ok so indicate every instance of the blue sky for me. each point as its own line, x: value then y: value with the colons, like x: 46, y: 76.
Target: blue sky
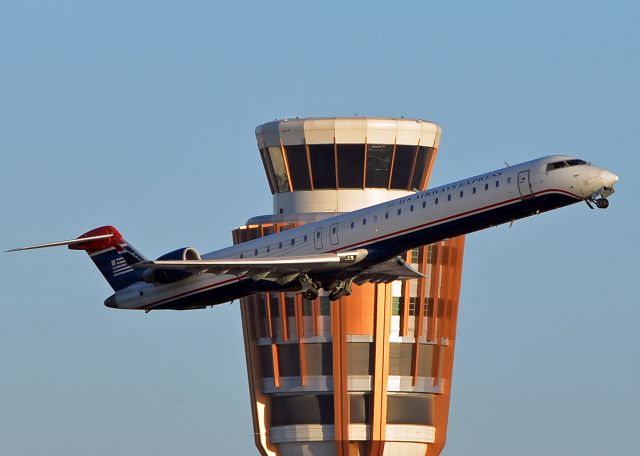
x: 141, y: 114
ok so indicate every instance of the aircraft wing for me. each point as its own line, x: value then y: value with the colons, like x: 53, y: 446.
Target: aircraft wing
x: 273, y: 268
x: 388, y: 271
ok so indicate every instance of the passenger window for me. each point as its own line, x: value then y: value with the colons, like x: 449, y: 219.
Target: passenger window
x: 497, y: 184
x: 280, y: 245
x: 411, y: 208
x: 375, y: 218
x: 255, y: 252
x: 386, y: 215
x: 352, y: 225
x: 436, y: 201
x: 424, y: 204
x: 364, y: 221
x: 474, y: 190
x: 399, y: 211
x: 461, y: 193
x: 449, y: 197
x: 486, y: 186
x: 293, y: 241
x: 242, y: 255
x: 305, y: 238
x: 508, y: 180
x: 268, y: 249
x: 333, y: 230
x: 318, y: 234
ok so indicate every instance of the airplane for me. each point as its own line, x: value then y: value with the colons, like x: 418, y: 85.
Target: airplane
x: 331, y: 254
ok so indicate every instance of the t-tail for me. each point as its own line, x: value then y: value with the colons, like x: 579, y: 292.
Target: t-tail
x: 109, y: 252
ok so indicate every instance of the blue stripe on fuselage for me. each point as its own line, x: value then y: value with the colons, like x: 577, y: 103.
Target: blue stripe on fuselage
x: 384, y: 249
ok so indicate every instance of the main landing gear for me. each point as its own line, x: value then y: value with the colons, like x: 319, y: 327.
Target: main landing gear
x: 337, y: 289
x: 343, y: 288
x: 309, y: 287
x: 310, y: 294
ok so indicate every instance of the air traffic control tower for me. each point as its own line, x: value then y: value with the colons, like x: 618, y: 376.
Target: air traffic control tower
x: 370, y: 373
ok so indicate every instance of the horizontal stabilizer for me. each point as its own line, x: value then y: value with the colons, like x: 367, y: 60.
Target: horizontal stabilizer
x: 77, y: 242
x: 111, y: 254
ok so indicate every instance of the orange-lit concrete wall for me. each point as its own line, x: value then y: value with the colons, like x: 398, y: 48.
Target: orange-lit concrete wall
x: 426, y: 324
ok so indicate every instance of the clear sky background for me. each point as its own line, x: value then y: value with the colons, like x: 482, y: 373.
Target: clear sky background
x: 141, y: 114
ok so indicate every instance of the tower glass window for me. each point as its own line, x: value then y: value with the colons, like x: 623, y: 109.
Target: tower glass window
x: 323, y: 165
x: 279, y: 169
x: 298, y: 167
x: 402, y: 164
x: 350, y: 165
x: 271, y: 177
x: 378, y: 165
x: 419, y: 168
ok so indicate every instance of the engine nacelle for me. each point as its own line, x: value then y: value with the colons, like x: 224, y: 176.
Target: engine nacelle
x: 172, y: 275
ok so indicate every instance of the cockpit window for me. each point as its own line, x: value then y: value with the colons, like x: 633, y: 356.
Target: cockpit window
x: 556, y: 165
x: 565, y: 164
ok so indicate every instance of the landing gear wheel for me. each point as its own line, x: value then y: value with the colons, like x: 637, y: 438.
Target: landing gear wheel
x: 602, y: 203
x: 311, y: 294
x: 335, y: 295
x: 343, y: 290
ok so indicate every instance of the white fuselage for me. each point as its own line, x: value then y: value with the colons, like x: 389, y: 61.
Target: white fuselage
x: 420, y: 218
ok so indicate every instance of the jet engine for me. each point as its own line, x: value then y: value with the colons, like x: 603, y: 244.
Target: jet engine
x: 172, y: 275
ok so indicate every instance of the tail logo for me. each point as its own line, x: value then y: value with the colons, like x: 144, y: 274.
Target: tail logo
x: 119, y: 266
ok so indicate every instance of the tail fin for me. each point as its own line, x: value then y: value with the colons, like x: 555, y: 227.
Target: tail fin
x: 113, y: 256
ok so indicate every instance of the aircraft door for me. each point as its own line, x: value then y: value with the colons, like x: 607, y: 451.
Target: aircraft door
x: 334, y: 234
x: 317, y: 238
x: 524, y: 184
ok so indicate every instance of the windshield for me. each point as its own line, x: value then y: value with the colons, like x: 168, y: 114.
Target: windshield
x: 565, y: 164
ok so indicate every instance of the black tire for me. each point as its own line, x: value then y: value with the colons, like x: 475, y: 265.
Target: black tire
x: 311, y: 294
x: 335, y: 295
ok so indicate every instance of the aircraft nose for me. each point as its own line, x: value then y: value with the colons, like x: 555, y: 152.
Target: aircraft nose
x: 608, y: 178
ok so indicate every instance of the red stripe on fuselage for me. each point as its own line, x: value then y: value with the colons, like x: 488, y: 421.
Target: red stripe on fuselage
x: 461, y: 214
x: 369, y: 241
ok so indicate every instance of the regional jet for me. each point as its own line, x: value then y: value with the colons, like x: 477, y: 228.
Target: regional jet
x: 331, y: 254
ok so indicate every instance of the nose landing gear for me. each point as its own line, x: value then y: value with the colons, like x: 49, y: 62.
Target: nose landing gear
x: 599, y: 197
x: 601, y: 203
